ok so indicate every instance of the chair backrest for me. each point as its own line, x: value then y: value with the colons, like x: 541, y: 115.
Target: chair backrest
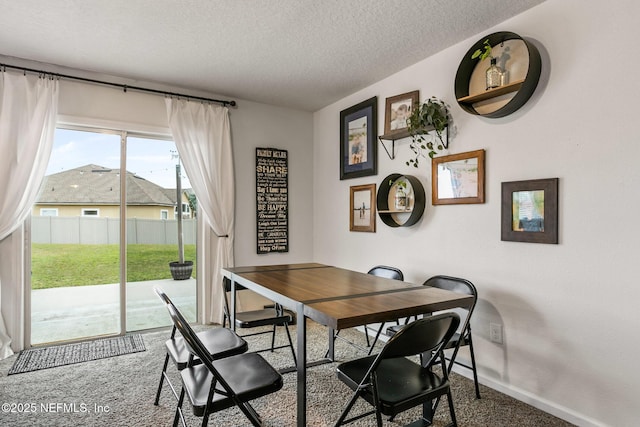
x: 226, y: 285
x: 162, y: 295
x: 386, y: 271
x: 193, y: 343
x: 226, y: 288
x: 167, y: 301
x: 454, y: 284
x: 458, y: 285
x: 429, y: 334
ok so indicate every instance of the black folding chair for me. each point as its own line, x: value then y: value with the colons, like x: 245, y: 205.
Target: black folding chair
x: 463, y: 337
x: 392, y: 383
x: 390, y: 273
x: 273, y: 316
x: 379, y: 271
x: 218, y: 342
x: 215, y: 385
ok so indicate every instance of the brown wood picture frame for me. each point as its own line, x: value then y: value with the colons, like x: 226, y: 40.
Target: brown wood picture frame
x: 458, y: 178
x: 397, y: 110
x: 362, y: 208
x: 530, y: 211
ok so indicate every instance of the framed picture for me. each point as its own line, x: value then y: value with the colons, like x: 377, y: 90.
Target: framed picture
x: 362, y: 208
x: 398, y: 110
x: 358, y: 137
x: 530, y: 211
x: 458, y: 178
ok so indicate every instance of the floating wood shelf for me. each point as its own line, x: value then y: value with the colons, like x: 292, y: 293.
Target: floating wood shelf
x: 394, y: 217
x: 523, y: 59
x: 492, y: 93
x: 393, y: 137
x: 396, y: 212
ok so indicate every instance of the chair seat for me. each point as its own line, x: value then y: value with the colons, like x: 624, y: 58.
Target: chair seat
x: 392, y: 330
x: 403, y: 384
x: 220, y: 342
x: 264, y: 317
x: 249, y: 375
x: 453, y: 342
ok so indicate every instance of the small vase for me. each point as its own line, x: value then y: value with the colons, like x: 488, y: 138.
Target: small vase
x: 494, y: 75
x: 401, y: 199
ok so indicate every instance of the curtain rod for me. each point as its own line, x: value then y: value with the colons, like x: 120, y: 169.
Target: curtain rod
x: 119, y: 85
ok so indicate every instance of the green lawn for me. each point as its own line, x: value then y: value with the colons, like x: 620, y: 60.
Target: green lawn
x: 55, y: 266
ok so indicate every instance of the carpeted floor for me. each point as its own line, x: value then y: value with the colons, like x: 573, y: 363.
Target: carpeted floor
x: 119, y: 391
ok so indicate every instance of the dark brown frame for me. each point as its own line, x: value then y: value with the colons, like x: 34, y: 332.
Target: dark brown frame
x: 414, y: 100
x: 371, y: 227
x: 436, y: 161
x: 549, y: 234
x: 368, y: 109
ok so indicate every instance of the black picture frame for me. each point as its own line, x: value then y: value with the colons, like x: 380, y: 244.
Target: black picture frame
x: 358, y: 135
x: 272, y: 200
x: 522, y: 203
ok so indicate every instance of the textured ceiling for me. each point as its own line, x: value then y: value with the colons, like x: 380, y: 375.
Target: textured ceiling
x: 303, y: 54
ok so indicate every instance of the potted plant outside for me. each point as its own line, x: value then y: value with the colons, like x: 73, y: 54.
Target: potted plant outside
x: 431, y: 116
x: 181, y: 269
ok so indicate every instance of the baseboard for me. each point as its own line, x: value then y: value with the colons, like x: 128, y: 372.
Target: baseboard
x: 532, y: 399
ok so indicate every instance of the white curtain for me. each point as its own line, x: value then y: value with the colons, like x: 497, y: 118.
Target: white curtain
x: 203, y: 137
x: 28, y: 112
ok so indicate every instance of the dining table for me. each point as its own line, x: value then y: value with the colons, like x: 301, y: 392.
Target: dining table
x: 337, y: 298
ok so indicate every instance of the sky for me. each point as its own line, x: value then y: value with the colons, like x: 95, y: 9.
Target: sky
x: 152, y: 159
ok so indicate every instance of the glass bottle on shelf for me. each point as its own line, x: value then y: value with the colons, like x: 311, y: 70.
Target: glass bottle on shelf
x: 494, y: 75
x: 400, y: 199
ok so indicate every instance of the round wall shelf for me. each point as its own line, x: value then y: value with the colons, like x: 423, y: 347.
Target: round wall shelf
x: 523, y: 65
x: 413, y: 208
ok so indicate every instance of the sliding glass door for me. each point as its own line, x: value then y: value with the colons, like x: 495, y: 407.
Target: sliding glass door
x: 75, y: 252
x: 152, y: 233
x: 103, y: 232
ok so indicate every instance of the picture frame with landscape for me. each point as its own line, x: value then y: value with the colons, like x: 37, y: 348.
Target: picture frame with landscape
x: 358, y: 140
x: 362, y: 208
x: 458, y: 178
x: 530, y: 211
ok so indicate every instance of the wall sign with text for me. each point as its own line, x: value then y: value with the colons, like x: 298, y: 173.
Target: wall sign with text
x: 272, y: 196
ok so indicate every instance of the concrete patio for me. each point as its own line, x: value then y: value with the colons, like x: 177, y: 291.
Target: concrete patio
x: 69, y: 313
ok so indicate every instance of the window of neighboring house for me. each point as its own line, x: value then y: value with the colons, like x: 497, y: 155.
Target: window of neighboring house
x: 48, y: 212
x: 164, y: 214
x: 186, y: 211
x: 90, y: 212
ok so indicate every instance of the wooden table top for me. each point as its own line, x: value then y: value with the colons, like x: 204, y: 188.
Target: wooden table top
x: 254, y: 268
x: 356, y: 311
x: 341, y: 298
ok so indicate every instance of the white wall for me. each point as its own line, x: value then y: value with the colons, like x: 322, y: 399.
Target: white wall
x: 569, y: 310
x: 256, y: 125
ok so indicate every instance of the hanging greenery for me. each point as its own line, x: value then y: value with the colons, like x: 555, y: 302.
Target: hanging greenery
x: 426, y: 126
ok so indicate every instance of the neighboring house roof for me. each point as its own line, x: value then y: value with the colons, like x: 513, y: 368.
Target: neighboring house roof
x: 97, y: 185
